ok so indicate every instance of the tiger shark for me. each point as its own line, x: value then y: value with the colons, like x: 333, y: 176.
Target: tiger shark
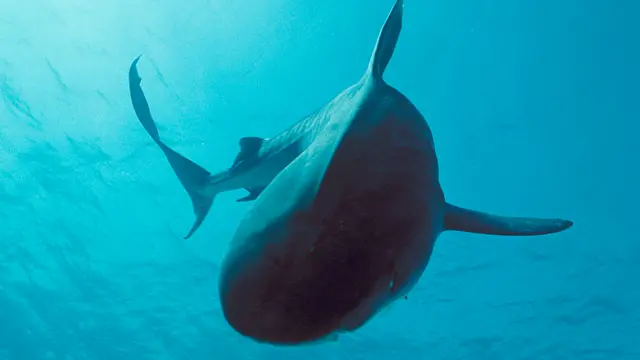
x: 347, y: 209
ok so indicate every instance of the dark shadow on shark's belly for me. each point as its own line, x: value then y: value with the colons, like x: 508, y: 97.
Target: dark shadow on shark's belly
x: 290, y: 294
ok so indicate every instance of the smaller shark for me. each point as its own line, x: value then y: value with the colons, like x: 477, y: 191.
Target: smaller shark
x: 256, y: 164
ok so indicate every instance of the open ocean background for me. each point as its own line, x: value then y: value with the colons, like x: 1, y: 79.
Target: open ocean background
x: 534, y: 106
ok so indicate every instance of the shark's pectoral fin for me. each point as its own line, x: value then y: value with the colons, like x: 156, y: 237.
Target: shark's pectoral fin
x: 253, y: 194
x: 459, y: 219
x: 191, y: 175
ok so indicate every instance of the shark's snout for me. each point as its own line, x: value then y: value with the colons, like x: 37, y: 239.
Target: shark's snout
x: 280, y: 300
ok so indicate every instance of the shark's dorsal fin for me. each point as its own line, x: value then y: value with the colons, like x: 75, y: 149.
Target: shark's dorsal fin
x: 386, y: 43
x: 249, y: 146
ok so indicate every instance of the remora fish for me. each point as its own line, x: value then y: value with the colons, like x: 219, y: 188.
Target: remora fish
x: 349, y: 225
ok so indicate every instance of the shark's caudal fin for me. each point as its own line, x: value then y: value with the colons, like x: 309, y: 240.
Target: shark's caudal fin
x: 191, y: 175
x: 386, y: 43
x: 459, y: 219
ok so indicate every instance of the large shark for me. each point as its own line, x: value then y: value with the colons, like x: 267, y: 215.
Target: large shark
x: 347, y: 213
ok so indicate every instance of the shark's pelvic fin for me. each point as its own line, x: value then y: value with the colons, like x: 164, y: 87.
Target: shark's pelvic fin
x: 387, y: 40
x: 459, y: 219
x: 253, y: 194
x: 191, y: 175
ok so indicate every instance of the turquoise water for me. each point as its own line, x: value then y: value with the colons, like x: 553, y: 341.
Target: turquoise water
x: 534, y: 110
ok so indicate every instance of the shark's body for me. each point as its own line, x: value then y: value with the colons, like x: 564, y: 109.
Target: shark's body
x: 348, y: 225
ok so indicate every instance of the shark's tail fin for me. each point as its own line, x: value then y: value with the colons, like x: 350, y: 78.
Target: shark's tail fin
x: 387, y: 40
x: 192, y: 176
x: 459, y: 219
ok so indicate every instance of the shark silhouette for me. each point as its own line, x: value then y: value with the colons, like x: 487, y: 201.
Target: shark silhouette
x: 348, y: 206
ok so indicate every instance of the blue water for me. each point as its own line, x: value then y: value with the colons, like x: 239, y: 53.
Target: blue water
x: 534, y: 106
